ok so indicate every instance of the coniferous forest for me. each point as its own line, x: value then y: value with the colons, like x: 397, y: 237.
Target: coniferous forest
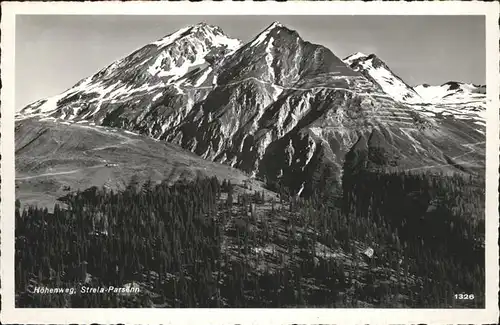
x: 380, y: 240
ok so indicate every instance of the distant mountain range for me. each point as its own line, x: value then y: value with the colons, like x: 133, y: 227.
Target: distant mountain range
x: 457, y: 99
x: 278, y: 107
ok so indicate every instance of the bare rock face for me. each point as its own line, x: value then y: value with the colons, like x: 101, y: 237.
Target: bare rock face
x: 278, y: 107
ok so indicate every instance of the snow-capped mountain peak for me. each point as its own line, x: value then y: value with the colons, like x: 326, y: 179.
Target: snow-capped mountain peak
x: 188, y: 47
x: 355, y: 56
x: 163, y: 62
x: 376, y: 70
x: 202, y: 31
x: 275, y: 24
x: 273, y: 106
x: 272, y: 32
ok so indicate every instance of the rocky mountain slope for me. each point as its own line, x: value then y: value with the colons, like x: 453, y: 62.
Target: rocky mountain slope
x: 278, y: 107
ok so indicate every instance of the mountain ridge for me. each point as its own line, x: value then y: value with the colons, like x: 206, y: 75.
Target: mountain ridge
x: 416, y: 95
x: 277, y: 107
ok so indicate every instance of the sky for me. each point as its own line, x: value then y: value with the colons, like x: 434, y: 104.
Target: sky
x: 53, y: 52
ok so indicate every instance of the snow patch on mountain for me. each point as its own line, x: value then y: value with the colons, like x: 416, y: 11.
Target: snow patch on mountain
x: 203, y: 77
x: 263, y: 35
x: 270, y: 59
x: 156, y: 97
x: 371, y: 66
x: 263, y: 143
x: 282, y: 114
x: 311, y: 148
x: 351, y: 58
x: 212, y: 33
x: 176, y: 55
x: 452, y: 92
x: 232, y: 44
x: 155, y: 68
x: 169, y: 39
x: 276, y: 89
x: 392, y: 86
x: 461, y: 101
x: 47, y: 106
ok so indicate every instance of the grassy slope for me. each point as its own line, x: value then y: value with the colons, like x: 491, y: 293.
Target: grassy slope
x: 50, y: 156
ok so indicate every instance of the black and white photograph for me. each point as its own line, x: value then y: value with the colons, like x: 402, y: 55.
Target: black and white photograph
x: 251, y: 161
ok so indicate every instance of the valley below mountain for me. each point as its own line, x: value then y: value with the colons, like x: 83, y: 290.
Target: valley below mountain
x: 53, y: 158
x: 210, y: 172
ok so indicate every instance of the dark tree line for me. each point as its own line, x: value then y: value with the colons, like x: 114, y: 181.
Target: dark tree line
x: 192, y: 244
x: 142, y: 234
x: 434, y: 220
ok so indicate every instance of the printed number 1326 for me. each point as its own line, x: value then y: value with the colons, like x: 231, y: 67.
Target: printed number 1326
x: 464, y: 296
